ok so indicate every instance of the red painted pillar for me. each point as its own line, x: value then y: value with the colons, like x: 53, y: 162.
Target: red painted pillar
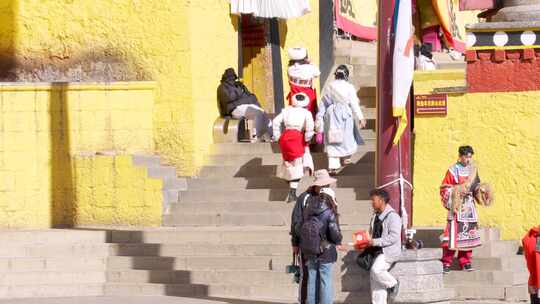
x: 390, y: 159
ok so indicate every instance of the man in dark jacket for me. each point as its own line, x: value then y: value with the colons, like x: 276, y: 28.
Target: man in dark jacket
x: 237, y: 101
x: 319, y: 203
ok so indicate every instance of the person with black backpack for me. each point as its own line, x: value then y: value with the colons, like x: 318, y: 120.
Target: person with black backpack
x: 384, y: 248
x: 315, y: 235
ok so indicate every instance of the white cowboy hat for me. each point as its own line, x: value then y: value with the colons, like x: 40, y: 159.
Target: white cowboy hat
x: 322, y: 178
x: 297, y: 53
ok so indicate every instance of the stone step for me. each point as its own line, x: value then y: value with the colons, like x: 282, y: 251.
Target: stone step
x: 356, y: 283
x: 430, y: 235
x: 497, y: 249
x: 55, y: 250
x: 261, y: 171
x: 272, y: 182
x: 239, y: 219
x: 47, y: 277
x: 198, y: 290
x: 270, y: 148
x: 146, y: 160
x: 214, y: 235
x: 52, y: 236
x: 345, y: 207
x: 12, y: 264
x: 320, y: 159
x: 491, y: 292
x: 258, y: 195
x: 486, y: 278
x: 508, y: 263
x: 51, y: 290
x: 274, y: 263
x: 206, y: 249
x: 367, y: 92
x: 163, y: 172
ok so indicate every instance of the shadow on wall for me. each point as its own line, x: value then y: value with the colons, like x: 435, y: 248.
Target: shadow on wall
x: 62, y: 183
x: 8, y: 30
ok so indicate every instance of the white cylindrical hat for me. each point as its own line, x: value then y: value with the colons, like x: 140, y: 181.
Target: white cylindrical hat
x: 297, y: 53
x: 300, y: 100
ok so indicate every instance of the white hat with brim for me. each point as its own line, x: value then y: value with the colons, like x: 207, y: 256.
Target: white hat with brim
x: 297, y: 53
x: 322, y: 178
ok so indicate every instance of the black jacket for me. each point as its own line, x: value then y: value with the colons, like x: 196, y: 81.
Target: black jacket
x: 317, y: 206
x: 232, y: 93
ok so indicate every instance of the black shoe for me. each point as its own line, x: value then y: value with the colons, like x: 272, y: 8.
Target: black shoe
x: 446, y: 269
x: 393, y: 291
x: 468, y: 267
x: 291, y: 197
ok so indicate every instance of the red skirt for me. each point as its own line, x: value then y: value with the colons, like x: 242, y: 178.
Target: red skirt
x: 310, y: 92
x: 292, y: 144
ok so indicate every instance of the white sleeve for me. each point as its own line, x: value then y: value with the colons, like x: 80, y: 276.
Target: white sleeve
x: 309, y: 126
x: 355, y: 104
x: 276, y: 125
x: 315, y: 70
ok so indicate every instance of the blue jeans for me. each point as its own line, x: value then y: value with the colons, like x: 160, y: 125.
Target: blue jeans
x: 326, y: 291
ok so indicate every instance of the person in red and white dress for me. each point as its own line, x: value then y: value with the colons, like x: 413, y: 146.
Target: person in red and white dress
x: 301, y: 75
x: 298, y: 129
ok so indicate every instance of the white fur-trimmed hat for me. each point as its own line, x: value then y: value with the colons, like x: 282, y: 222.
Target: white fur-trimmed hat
x: 300, y: 100
x: 297, y: 53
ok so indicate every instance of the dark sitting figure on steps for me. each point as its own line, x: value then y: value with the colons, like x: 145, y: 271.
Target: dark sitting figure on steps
x: 236, y: 101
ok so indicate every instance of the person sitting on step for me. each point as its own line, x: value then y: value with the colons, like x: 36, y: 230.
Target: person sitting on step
x: 298, y: 127
x: 237, y: 101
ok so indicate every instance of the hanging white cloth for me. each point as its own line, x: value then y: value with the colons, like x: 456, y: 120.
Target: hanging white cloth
x: 284, y: 9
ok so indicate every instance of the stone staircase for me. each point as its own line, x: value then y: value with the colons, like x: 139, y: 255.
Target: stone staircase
x: 228, y: 235
x: 53, y: 263
x: 500, y: 273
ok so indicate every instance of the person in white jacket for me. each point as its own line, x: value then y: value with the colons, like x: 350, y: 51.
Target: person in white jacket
x: 338, y: 111
x: 298, y: 129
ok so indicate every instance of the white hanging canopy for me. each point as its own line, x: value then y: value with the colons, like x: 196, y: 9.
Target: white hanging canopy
x: 284, y: 9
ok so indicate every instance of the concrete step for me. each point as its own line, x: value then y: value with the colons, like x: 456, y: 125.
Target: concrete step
x: 274, y: 263
x: 240, y: 219
x: 258, y: 195
x: 354, y: 283
x: 47, y: 277
x: 497, y: 249
x: 145, y: 160
x: 214, y: 235
x: 272, y: 182
x: 250, y: 171
x: 270, y: 148
x: 55, y: 250
x: 487, y: 292
x: 345, y: 207
x: 508, y: 263
x: 198, y: 290
x: 320, y: 159
x: 8, y: 265
x: 486, y: 278
x: 178, y: 250
x: 52, y: 236
x: 430, y: 235
x: 163, y: 172
x: 51, y: 290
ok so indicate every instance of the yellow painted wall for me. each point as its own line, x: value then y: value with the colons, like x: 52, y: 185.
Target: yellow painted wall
x: 502, y: 128
x: 44, y: 125
x: 182, y: 45
x: 110, y: 190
